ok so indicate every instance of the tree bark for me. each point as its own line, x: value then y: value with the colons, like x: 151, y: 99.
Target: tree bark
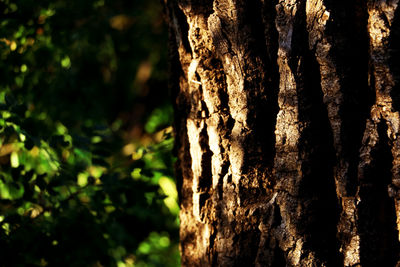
x: 287, y: 126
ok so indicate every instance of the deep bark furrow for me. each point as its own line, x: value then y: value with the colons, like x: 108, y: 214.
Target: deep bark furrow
x: 320, y: 41
x: 313, y: 183
x: 270, y: 106
x: 346, y: 31
x: 317, y: 153
x: 381, y: 140
x: 338, y: 46
x: 376, y: 211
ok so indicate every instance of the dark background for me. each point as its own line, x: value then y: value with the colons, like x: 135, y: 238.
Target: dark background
x: 85, y: 136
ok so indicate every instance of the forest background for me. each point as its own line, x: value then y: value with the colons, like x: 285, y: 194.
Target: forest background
x: 85, y: 138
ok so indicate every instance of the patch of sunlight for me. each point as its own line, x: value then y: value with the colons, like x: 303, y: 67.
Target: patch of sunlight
x: 159, y: 136
x: 96, y: 171
x: 83, y: 179
x: 61, y: 129
x: 6, y: 114
x: 66, y: 62
x: 24, y: 68
x: 96, y: 139
x: 130, y: 260
x: 144, y: 248
x: 22, y: 137
x: 164, y: 241
x: 14, y: 159
x: 128, y: 149
x: 172, y: 205
x: 35, y: 211
x: 6, y: 228
x: 136, y: 155
x: 13, y: 46
x: 34, y: 151
x: 169, y: 189
x: 136, y: 173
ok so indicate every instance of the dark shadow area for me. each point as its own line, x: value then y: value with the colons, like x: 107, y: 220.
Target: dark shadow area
x: 183, y: 29
x: 84, y: 113
x: 262, y: 76
x: 259, y: 41
x: 348, y: 29
x: 379, y: 245
x: 247, y: 240
x: 320, y: 214
x: 205, y: 180
x: 180, y: 103
x: 279, y: 258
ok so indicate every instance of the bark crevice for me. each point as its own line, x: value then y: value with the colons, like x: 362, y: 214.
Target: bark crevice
x: 379, y: 244
x: 350, y: 48
x: 205, y: 180
x: 181, y: 28
x: 317, y: 190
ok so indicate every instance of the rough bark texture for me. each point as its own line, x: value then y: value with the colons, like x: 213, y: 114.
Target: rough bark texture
x: 287, y: 126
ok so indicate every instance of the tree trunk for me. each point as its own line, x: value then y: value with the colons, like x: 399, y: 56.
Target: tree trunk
x: 287, y: 126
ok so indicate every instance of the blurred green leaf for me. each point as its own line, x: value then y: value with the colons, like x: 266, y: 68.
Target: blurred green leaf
x: 78, y: 81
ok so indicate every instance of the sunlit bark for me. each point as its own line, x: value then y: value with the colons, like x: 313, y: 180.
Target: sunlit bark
x: 287, y: 125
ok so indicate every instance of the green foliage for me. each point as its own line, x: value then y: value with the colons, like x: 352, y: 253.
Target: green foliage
x: 159, y: 117
x: 81, y: 182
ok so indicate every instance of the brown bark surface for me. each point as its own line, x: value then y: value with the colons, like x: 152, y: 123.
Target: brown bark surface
x: 287, y: 126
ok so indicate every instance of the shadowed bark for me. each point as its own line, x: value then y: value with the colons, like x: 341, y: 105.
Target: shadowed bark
x: 287, y: 128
